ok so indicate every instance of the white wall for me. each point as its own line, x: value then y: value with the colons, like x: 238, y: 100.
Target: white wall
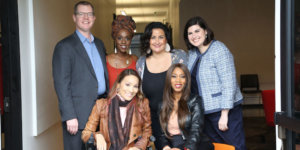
x: 279, y: 142
x: 42, y: 24
x: 52, y: 136
x: 246, y: 27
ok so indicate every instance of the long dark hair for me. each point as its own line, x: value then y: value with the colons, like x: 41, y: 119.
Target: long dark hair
x: 201, y: 22
x: 120, y: 78
x: 168, y: 99
x: 145, y: 38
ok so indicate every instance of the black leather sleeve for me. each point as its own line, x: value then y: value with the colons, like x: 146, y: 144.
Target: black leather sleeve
x: 197, y: 122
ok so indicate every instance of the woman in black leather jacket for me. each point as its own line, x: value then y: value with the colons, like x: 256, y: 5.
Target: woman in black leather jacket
x: 181, y: 115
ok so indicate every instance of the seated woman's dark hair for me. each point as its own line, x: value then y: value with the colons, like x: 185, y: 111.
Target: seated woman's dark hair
x: 201, y: 22
x: 168, y: 99
x: 145, y: 38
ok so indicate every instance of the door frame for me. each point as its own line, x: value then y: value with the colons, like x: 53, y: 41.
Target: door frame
x: 286, y: 124
x: 12, y: 118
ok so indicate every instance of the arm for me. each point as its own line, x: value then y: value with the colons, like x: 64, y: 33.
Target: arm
x: 197, y: 123
x: 93, y: 121
x: 134, y: 57
x: 227, y: 74
x: 223, y: 120
x: 146, y: 128
x: 62, y: 66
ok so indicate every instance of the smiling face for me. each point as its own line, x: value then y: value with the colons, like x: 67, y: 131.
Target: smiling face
x: 123, y: 40
x: 158, y: 40
x: 178, y: 80
x: 128, y: 87
x: 84, y: 18
x: 196, y: 35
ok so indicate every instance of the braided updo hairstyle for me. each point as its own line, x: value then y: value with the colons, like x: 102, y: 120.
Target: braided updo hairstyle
x: 123, y: 22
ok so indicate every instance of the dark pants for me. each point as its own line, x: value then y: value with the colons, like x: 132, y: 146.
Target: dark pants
x: 177, y: 141
x: 72, y: 142
x: 234, y: 135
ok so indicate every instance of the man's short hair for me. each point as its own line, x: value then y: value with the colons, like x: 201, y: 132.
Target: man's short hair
x: 82, y: 3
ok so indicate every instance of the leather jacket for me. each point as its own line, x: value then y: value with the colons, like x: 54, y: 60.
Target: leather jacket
x: 193, y: 131
x: 140, y: 130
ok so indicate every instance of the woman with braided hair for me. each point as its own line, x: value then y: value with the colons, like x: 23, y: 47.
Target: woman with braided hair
x: 122, y: 33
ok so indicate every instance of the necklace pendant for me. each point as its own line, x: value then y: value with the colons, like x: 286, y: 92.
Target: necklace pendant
x: 127, y: 61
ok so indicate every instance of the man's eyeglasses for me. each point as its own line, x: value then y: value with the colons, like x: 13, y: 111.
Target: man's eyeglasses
x: 82, y: 14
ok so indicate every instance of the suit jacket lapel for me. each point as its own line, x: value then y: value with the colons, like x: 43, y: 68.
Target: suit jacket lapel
x: 101, y: 52
x: 82, y: 53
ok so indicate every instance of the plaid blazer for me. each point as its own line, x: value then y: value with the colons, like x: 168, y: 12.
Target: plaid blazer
x: 216, y: 78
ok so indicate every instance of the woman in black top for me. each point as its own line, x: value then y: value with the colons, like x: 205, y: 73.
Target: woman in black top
x: 153, y: 65
x: 181, y: 115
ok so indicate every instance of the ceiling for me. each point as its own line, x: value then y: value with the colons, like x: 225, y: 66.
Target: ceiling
x: 144, y: 11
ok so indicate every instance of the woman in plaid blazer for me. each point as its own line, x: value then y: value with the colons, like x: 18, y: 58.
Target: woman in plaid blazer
x: 214, y: 78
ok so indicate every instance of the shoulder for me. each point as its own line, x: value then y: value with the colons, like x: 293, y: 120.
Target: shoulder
x: 219, y: 52
x: 134, y: 58
x: 194, y: 100
x: 141, y: 60
x: 143, y: 104
x: 101, y: 103
x: 97, y: 40
x: 193, y: 50
x: 179, y: 56
x: 67, y: 40
x: 110, y: 57
x: 218, y: 43
x: 192, y: 54
x: 139, y: 65
x: 218, y: 46
x: 65, y: 46
x: 179, y: 52
x: 100, y: 45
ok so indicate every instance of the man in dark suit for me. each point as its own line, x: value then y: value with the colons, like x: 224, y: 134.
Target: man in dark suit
x: 80, y: 75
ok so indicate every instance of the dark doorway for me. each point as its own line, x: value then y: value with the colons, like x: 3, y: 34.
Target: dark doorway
x: 289, y: 119
x: 12, y: 113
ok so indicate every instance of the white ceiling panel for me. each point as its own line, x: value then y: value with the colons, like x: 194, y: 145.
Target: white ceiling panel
x: 144, y: 10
